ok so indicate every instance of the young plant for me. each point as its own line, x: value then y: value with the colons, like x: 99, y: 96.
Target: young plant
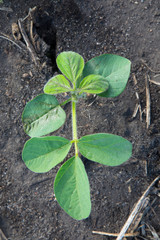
x: 106, y: 76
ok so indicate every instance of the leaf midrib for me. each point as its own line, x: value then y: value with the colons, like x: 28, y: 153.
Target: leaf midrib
x: 60, y: 85
x: 76, y: 189
x: 92, y: 145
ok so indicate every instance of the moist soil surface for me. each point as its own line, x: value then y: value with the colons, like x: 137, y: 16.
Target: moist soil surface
x: 28, y: 208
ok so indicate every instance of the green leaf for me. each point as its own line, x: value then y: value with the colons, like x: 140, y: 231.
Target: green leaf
x: 44, y: 153
x: 114, y: 68
x: 57, y: 84
x: 94, y: 84
x: 42, y: 115
x: 107, y: 149
x: 72, y: 190
x: 71, y: 64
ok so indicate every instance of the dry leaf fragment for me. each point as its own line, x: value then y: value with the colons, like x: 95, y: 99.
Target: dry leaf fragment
x: 15, y: 31
x: 156, y: 80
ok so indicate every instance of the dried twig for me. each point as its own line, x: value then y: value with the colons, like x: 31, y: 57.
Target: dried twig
x: 6, y: 38
x: 27, y: 41
x: 150, y: 207
x: 31, y: 32
x: 20, y: 43
x: 136, y: 221
x: 2, y: 236
x: 138, y: 105
x: 32, y: 37
x: 135, y: 210
x: 135, y: 110
x: 154, y: 71
x: 29, y: 13
x: 92, y: 102
x: 116, y: 234
x: 155, y: 80
x: 153, y: 232
x: 148, y: 103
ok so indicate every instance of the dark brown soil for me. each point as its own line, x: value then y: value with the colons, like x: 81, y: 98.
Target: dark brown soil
x: 28, y: 209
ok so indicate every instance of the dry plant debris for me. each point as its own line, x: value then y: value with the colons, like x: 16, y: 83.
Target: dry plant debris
x: 148, y: 102
x: 133, y: 222
x: 4, y: 36
x: 149, y: 68
x: 33, y: 43
x: 138, y: 104
x: 156, y: 79
x: 2, y: 236
x: 28, y: 43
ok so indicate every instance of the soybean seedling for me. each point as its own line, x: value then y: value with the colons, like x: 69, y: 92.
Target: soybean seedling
x: 106, y: 76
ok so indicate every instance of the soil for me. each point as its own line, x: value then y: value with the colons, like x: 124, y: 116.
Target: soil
x: 28, y: 208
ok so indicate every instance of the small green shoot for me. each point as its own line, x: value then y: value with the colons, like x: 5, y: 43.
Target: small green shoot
x: 106, y: 76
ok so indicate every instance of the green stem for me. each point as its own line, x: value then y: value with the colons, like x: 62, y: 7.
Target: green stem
x: 74, y: 125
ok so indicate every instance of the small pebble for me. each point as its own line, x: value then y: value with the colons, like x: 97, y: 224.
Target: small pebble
x: 25, y: 75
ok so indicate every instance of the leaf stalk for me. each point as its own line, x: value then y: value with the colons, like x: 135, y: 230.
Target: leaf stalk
x: 66, y: 101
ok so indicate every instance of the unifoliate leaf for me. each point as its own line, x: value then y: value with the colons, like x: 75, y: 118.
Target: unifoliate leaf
x: 72, y: 190
x: 44, y: 153
x: 114, y: 68
x: 94, y: 84
x: 107, y: 149
x: 42, y: 115
x: 57, y: 84
x: 71, y: 64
